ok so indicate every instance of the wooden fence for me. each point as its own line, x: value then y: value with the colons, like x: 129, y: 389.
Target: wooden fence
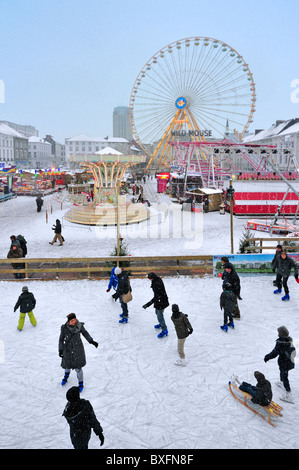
x: 258, y: 244
x: 100, y: 268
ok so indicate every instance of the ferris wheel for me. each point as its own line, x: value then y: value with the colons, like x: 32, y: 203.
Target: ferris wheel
x: 196, y: 88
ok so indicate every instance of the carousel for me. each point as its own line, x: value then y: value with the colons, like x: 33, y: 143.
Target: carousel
x: 105, y: 204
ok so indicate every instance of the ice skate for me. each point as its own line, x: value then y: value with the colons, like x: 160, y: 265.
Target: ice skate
x: 180, y: 362
x: 235, y: 380
x: 287, y: 396
x: 157, y: 326
x: 65, y: 378
x: 163, y: 333
x: 231, y: 325
x: 279, y: 384
x: 285, y: 297
x: 277, y: 291
x: 124, y: 320
x: 224, y: 328
x: 81, y: 386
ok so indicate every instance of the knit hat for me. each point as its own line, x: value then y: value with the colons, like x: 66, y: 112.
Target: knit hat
x: 283, y: 332
x: 70, y: 316
x: 259, y: 376
x: 73, y: 394
x: 175, y: 308
x: 117, y: 271
x: 25, y: 289
x: 151, y: 275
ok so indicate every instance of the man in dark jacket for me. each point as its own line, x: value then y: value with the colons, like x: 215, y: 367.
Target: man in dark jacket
x: 123, y: 287
x: 39, y: 203
x: 57, y: 230
x: 284, y: 264
x: 14, y: 253
x: 261, y: 393
x: 71, y: 348
x: 23, y: 244
x: 286, y: 352
x: 160, y: 301
x: 81, y: 418
x: 233, y: 279
x: 26, y: 302
x: 227, y: 303
x: 277, y: 253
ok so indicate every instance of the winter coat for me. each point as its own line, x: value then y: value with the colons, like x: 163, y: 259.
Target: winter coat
x: 71, y: 346
x: 182, y: 325
x: 39, y: 201
x: 160, y: 299
x: 123, y: 286
x: 234, y: 280
x: 17, y: 253
x: 227, y: 301
x: 263, y: 391
x: 225, y: 273
x: 286, y: 352
x: 57, y: 227
x: 284, y: 266
x: 113, y: 280
x: 23, y: 244
x: 26, y: 302
x: 81, y: 419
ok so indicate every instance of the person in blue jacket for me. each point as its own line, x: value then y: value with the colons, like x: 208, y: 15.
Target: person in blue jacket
x: 113, y: 281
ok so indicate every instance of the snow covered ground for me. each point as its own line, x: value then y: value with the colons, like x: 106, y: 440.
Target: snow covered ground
x: 142, y: 399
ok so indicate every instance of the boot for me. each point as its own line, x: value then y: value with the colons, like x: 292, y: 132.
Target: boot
x: 231, y: 325
x: 80, y: 385
x: 224, y: 328
x: 163, y: 333
x: 180, y: 362
x: 285, y: 297
x: 124, y: 320
x: 64, y: 380
x: 277, y: 291
x: 157, y: 326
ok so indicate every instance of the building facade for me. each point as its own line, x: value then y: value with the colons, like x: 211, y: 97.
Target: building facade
x: 13, y: 147
x: 58, y: 152
x: 121, y: 123
x: 84, y: 145
x: 40, y: 153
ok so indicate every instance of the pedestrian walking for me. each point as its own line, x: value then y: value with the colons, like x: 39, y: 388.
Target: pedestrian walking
x: 39, y: 203
x: 261, y: 393
x: 285, y: 351
x: 122, y: 289
x: 183, y: 329
x: 71, y: 348
x: 160, y: 301
x: 26, y: 302
x: 23, y: 244
x: 233, y: 279
x: 81, y: 418
x: 57, y: 229
x: 227, y: 303
x: 284, y: 265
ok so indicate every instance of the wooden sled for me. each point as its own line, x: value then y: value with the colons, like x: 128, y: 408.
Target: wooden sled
x: 272, y: 410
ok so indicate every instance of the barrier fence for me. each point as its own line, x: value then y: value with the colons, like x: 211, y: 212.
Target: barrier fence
x: 258, y: 244
x: 100, y: 268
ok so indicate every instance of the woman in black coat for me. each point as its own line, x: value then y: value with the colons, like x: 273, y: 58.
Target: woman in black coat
x: 160, y: 301
x: 71, y: 348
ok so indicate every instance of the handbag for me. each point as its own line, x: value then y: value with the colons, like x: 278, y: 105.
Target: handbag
x: 127, y: 297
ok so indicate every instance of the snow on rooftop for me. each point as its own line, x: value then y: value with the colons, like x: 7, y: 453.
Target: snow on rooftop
x: 7, y: 130
x: 108, y: 151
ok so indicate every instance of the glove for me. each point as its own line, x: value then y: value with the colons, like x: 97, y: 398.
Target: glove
x: 60, y: 353
x: 296, y: 276
x: 102, y: 439
x: 144, y: 306
x: 94, y: 343
x: 115, y: 296
x: 108, y: 290
x: 190, y: 332
x: 14, y: 309
x: 266, y: 359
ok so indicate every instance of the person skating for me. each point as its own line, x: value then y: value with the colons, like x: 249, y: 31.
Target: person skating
x: 71, y: 348
x: 113, y: 281
x: 233, y: 279
x: 57, y: 229
x: 183, y: 329
x: 160, y: 301
x: 261, y: 393
x: 26, y: 302
x: 284, y: 265
x: 123, y: 287
x: 286, y: 352
x: 227, y: 303
x: 81, y: 418
x: 277, y: 253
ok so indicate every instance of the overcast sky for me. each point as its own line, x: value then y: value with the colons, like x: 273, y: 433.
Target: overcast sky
x: 65, y: 64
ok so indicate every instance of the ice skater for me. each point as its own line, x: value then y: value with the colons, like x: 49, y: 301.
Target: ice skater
x: 284, y: 264
x: 227, y: 303
x: 81, y: 418
x: 160, y: 301
x: 113, y: 281
x: 183, y: 329
x: 26, y: 302
x: 286, y: 352
x: 123, y: 287
x: 233, y: 279
x: 71, y: 348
